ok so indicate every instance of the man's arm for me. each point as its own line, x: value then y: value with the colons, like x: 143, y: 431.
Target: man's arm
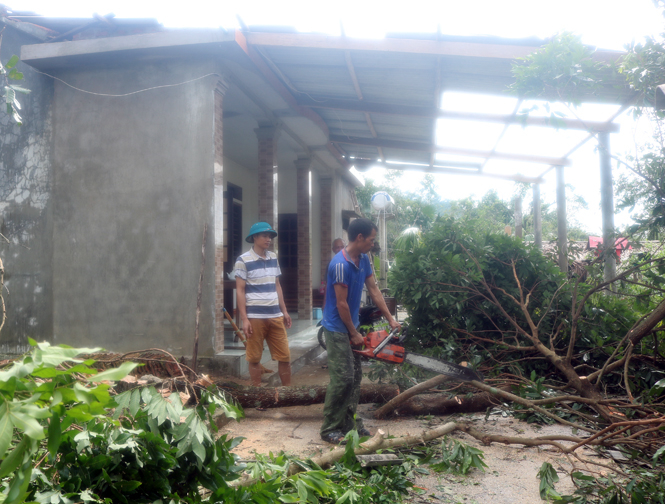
x: 379, y: 302
x: 242, y: 306
x: 341, y: 293
x: 282, y: 305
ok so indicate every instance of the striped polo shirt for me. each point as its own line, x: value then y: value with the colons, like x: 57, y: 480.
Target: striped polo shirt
x: 260, y: 275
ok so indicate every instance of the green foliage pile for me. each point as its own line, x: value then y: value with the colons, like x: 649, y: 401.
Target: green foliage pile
x: 65, y: 439
x: 641, y: 487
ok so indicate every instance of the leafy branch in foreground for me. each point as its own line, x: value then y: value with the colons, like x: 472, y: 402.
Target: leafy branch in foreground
x: 9, y: 72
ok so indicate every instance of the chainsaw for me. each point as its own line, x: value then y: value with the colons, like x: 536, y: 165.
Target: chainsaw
x: 378, y: 345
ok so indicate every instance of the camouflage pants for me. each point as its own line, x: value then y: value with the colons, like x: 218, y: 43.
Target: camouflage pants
x: 343, y: 392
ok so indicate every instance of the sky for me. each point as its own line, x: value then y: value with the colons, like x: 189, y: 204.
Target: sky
x: 607, y: 24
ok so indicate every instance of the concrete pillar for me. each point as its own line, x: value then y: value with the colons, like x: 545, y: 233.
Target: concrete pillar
x: 607, y: 206
x: 325, y: 199
x: 518, y: 216
x: 267, y: 134
x: 304, y: 238
x: 218, y: 227
x: 562, y: 231
x: 537, y: 218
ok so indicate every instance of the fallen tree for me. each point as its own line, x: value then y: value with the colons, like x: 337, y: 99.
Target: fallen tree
x: 556, y: 349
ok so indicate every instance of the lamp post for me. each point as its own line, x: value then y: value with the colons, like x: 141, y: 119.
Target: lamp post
x: 381, y: 203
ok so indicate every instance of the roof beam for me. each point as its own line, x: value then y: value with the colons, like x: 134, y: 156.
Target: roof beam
x: 442, y: 48
x: 423, y: 147
x: 436, y: 113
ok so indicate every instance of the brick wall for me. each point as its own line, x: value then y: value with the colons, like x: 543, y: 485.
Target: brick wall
x: 304, y: 240
x: 267, y: 173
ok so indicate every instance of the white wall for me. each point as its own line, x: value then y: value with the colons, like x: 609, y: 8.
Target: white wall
x: 287, y: 191
x: 316, y: 230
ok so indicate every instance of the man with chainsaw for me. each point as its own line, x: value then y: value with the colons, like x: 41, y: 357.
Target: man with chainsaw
x: 261, y: 304
x: 348, y: 272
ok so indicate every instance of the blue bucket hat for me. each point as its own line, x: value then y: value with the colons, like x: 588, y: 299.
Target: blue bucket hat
x: 260, y: 227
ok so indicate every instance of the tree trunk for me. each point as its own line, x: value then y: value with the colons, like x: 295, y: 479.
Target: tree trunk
x: 278, y: 397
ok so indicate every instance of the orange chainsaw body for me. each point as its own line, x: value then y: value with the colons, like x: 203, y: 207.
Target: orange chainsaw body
x: 389, y: 353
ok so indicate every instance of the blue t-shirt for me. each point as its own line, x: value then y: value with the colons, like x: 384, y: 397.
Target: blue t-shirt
x: 343, y: 270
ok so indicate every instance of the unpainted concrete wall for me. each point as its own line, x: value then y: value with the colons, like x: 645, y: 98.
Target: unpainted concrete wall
x: 25, y: 205
x: 132, y: 191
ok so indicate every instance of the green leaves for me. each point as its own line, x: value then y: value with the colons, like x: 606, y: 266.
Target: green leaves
x: 564, y: 69
x: 459, y: 458
x: 9, y: 72
x: 548, y: 477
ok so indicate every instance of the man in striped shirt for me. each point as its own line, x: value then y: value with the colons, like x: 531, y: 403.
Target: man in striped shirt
x: 261, y: 304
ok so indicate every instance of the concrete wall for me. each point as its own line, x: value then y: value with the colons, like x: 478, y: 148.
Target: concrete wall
x: 25, y: 206
x: 341, y: 201
x: 132, y: 191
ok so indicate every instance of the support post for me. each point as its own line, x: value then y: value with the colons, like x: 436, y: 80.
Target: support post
x: 537, y: 218
x: 562, y: 229
x: 518, y: 216
x: 607, y: 206
x: 218, y: 209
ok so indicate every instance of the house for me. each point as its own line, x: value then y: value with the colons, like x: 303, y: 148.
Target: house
x: 137, y: 139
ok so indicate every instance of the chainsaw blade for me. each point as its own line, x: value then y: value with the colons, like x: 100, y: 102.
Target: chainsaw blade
x: 460, y: 373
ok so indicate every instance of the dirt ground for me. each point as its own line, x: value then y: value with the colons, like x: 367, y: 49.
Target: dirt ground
x: 509, y: 478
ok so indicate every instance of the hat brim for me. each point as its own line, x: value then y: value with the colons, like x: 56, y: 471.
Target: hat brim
x: 250, y: 238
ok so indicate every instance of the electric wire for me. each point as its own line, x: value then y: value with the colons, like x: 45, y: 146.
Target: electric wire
x: 131, y: 93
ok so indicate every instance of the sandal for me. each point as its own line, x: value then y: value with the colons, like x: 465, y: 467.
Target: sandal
x: 334, y: 437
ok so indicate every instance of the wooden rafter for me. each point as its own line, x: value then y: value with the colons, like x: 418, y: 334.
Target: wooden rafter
x: 458, y: 171
x: 359, y: 94
x: 423, y: 147
x: 283, y: 91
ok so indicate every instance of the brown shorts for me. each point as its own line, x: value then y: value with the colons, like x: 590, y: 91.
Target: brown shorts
x: 271, y: 330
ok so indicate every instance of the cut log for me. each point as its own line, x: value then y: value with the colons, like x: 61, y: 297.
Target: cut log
x: 278, y: 397
x: 441, y: 404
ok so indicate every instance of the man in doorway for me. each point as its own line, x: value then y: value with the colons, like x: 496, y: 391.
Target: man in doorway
x: 347, y: 273
x: 261, y: 304
x: 337, y: 245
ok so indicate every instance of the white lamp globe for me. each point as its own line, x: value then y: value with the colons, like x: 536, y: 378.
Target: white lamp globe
x: 381, y: 200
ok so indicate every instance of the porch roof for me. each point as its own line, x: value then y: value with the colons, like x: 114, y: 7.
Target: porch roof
x: 370, y: 101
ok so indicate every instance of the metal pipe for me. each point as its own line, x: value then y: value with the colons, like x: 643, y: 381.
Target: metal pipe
x: 537, y: 218
x: 607, y: 206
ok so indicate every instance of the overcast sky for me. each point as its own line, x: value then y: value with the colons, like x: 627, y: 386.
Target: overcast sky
x: 608, y: 24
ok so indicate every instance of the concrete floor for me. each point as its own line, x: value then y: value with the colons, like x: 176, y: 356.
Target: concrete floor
x: 303, y: 345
